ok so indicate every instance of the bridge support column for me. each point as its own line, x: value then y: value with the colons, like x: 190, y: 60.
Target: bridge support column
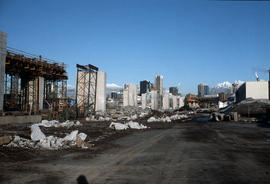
x: 3, y: 53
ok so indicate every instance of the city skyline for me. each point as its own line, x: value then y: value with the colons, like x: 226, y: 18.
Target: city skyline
x: 188, y: 42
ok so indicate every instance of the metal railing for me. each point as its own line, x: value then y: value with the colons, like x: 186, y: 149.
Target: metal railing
x: 33, y: 56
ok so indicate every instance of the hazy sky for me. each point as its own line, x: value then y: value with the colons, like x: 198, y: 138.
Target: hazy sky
x: 188, y: 42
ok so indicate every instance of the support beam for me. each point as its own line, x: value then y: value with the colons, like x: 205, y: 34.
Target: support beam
x: 132, y: 95
x: 175, y: 102
x: 125, y: 97
x: 166, y: 101
x: 41, y: 92
x: 3, y: 53
x: 144, y: 100
x: 155, y: 98
x: 101, y: 92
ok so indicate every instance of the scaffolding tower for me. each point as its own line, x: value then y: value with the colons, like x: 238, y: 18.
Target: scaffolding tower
x: 86, y: 84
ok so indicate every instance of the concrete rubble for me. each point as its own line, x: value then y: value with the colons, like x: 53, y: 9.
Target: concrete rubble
x: 55, y: 123
x: 168, y: 118
x: 247, y: 110
x: 121, y: 114
x: 5, y: 140
x: 124, y: 126
x: 40, y: 141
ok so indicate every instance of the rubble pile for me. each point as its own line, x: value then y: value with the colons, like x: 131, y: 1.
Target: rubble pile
x: 168, y: 119
x: 40, y: 140
x: 121, y: 114
x: 124, y: 126
x: 55, y: 123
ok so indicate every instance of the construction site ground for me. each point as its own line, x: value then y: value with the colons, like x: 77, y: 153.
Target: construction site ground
x: 179, y: 152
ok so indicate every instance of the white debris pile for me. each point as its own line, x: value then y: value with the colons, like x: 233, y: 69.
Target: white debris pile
x: 133, y: 117
x: 178, y: 116
x: 120, y: 114
x: 36, y: 133
x: 222, y: 104
x: 124, y: 126
x: 40, y: 140
x: 98, y: 118
x: 153, y: 119
x: 143, y: 114
x: 168, y: 118
x: 136, y: 125
x: 118, y: 126
x: 21, y: 142
x: 104, y: 119
x: 55, y: 123
x: 127, y: 113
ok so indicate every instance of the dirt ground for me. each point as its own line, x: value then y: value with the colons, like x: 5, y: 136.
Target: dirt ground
x: 181, y: 152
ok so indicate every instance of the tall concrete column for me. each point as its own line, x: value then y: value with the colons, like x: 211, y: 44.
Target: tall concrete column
x: 101, y: 92
x: 125, y: 97
x: 41, y: 92
x: 175, y: 102
x: 144, y: 100
x: 132, y: 95
x: 3, y: 53
x: 154, y: 99
x: 165, y: 101
x: 181, y: 101
x: 31, y: 95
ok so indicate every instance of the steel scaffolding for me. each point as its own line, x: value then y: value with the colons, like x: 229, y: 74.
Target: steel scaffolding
x: 86, y: 83
x: 31, y: 80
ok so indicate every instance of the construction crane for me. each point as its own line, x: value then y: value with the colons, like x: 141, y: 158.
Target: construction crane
x: 257, y: 77
x: 261, y: 71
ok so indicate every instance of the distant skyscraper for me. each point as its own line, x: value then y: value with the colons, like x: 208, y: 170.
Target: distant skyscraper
x: 115, y: 95
x: 203, y: 89
x: 145, y: 86
x: 159, y: 83
x: 173, y: 90
x: 126, y: 86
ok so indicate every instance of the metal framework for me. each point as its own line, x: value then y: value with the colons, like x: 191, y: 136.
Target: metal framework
x: 86, y: 83
x: 26, y: 76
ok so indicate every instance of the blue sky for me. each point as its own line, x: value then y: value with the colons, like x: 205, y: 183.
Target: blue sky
x: 188, y: 42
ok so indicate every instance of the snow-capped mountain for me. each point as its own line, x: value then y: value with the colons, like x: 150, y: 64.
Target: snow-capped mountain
x: 112, y: 87
x: 224, y: 86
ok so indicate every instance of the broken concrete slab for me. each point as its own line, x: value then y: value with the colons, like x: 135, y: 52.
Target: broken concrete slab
x: 5, y: 140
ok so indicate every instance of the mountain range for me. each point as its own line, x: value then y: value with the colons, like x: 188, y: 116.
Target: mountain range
x: 223, y: 87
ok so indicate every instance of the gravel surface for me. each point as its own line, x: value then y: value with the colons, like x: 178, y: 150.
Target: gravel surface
x: 190, y: 152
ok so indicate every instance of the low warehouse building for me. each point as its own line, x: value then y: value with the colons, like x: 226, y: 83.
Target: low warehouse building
x: 253, y: 89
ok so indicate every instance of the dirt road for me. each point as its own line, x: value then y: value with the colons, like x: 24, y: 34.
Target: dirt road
x: 186, y: 153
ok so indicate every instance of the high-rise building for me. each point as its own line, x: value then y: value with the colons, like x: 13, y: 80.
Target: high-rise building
x: 203, y: 89
x: 173, y: 90
x: 115, y: 95
x: 145, y: 86
x: 159, y: 83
